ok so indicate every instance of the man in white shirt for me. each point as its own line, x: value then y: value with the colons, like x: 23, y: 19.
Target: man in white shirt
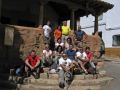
x: 47, y: 30
x: 65, y: 65
x: 81, y: 58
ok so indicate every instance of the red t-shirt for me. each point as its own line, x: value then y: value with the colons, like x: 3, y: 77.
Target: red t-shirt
x: 89, y: 55
x: 33, y: 61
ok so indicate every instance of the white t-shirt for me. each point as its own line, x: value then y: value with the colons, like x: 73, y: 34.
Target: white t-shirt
x: 57, y: 44
x: 47, y: 30
x: 67, y: 45
x: 47, y: 53
x: 66, y: 62
x: 82, y: 55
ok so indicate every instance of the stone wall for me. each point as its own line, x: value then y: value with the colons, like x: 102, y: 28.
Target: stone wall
x: 28, y: 38
x: 92, y: 41
x: 25, y: 39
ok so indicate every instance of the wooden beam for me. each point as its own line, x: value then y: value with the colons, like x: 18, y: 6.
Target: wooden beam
x: 0, y: 9
x: 72, y: 20
x: 72, y: 4
x: 96, y: 24
x: 41, y: 14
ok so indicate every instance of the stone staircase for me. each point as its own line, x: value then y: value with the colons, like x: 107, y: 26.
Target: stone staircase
x: 80, y: 82
x: 5, y: 84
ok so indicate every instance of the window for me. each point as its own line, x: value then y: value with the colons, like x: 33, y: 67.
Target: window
x: 116, y: 40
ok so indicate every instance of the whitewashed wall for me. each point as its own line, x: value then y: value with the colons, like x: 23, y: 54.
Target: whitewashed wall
x: 109, y: 25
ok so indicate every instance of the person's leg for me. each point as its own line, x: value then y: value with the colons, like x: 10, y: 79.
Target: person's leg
x: 46, y: 40
x: 82, y: 66
x: 27, y: 71
x: 63, y: 38
x: 66, y: 38
x: 37, y: 72
x: 44, y: 61
x: 56, y: 59
x: 61, y: 79
x: 49, y: 39
x: 53, y: 67
x: 92, y: 64
x: 68, y: 77
x: 49, y: 62
x: 94, y: 67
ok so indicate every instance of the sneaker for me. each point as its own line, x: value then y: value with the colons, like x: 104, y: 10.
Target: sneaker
x: 61, y: 85
x: 37, y: 76
x: 86, y: 72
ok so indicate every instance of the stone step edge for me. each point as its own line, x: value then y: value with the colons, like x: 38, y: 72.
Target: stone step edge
x: 55, y: 76
x: 73, y: 83
x: 57, y: 87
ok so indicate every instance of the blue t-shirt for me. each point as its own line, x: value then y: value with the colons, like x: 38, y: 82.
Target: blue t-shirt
x: 79, y: 34
x: 71, y: 54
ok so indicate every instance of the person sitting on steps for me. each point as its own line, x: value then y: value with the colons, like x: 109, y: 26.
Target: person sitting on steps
x: 80, y: 36
x: 47, y: 56
x: 64, y: 70
x: 32, y: 64
x: 90, y: 63
x: 81, y: 58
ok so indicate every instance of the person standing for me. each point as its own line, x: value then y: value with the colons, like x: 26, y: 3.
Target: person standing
x: 65, y: 31
x: 57, y: 33
x: 47, y: 30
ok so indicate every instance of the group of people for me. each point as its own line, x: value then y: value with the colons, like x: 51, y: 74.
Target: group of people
x: 65, y: 56
x: 61, y: 31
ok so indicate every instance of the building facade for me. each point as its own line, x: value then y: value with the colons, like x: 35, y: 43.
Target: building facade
x: 108, y: 26
x: 36, y: 12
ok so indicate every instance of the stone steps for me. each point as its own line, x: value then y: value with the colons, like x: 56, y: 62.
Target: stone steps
x: 91, y: 81
x: 80, y: 82
x: 97, y: 87
x: 7, y: 85
x: 38, y: 87
x: 6, y: 76
x: 102, y: 73
x: 75, y: 82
